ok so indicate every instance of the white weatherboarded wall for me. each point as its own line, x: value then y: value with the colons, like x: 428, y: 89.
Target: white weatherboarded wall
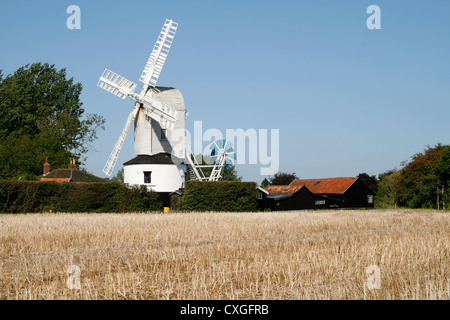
x: 164, y: 177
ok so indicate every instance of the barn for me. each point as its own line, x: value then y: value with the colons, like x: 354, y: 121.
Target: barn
x: 282, y: 198
x: 327, y: 193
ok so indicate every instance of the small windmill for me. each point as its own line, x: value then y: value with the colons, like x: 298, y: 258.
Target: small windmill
x: 221, y: 152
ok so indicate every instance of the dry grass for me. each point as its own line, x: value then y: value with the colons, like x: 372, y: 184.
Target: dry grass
x: 294, y: 255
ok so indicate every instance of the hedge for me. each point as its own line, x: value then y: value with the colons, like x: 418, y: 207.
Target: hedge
x: 220, y: 196
x: 36, y: 196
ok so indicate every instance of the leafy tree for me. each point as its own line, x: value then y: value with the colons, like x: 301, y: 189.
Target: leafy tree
x: 119, y: 176
x: 388, y: 189
x: 371, y: 181
x: 443, y: 166
x: 282, y: 178
x: 264, y: 183
x: 443, y: 173
x: 230, y: 174
x: 41, y: 115
x: 418, y: 183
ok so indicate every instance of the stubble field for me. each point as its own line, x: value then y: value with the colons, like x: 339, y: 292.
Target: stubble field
x: 367, y: 254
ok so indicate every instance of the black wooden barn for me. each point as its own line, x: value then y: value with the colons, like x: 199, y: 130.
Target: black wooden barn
x: 326, y: 193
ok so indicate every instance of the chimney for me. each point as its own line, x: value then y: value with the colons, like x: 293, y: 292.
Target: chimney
x: 72, y: 164
x: 46, y: 166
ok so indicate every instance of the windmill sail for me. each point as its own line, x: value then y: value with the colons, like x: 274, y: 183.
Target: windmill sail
x: 116, y: 84
x: 111, y: 162
x: 158, y: 56
x: 164, y: 114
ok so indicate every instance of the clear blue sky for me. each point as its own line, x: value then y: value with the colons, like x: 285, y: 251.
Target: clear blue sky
x: 345, y: 98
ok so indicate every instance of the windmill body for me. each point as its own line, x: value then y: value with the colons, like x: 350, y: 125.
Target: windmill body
x: 154, y: 165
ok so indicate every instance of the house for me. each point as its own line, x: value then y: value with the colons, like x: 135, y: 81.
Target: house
x: 348, y: 192
x: 69, y: 174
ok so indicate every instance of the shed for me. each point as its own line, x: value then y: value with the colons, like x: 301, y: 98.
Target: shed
x: 300, y: 194
x: 281, y: 198
x: 345, y: 192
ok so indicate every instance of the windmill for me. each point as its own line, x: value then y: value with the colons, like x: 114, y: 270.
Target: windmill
x: 157, y: 111
x: 221, y: 152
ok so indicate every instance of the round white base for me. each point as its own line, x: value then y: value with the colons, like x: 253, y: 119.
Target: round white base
x: 163, y: 177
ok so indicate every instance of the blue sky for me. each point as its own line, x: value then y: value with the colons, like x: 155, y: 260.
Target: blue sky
x: 346, y: 99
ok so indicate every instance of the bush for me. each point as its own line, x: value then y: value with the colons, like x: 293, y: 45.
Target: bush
x: 220, y: 196
x: 34, y: 196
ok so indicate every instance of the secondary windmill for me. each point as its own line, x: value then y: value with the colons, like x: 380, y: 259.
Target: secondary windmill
x: 221, y: 153
x: 157, y: 111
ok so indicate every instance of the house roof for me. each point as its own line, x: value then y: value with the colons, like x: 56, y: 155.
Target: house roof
x: 72, y: 175
x: 325, y: 186
x: 262, y: 190
x: 160, y: 158
x: 288, y: 189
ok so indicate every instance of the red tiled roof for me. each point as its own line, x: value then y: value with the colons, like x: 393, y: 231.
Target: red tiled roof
x: 283, y: 189
x: 328, y: 185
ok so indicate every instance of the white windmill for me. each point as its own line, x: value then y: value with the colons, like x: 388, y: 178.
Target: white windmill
x: 157, y: 112
x: 221, y: 154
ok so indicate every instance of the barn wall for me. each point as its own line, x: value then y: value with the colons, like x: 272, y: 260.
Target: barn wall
x: 300, y: 201
x: 356, y: 196
x: 263, y: 202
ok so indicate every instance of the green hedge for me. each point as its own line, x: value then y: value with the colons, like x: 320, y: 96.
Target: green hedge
x: 35, y: 196
x: 220, y: 196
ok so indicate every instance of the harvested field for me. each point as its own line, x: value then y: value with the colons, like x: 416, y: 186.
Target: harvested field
x: 280, y: 255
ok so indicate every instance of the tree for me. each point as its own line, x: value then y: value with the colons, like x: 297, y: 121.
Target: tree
x: 119, y: 176
x: 282, y: 178
x: 443, y: 172
x: 230, y: 174
x: 443, y: 166
x: 41, y: 115
x: 265, y: 183
x: 388, y: 189
x: 371, y: 181
x: 418, y: 183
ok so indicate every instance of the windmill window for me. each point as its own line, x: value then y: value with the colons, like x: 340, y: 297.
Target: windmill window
x: 147, y: 177
x: 370, y: 198
x: 163, y: 134
x: 259, y: 195
x: 317, y: 183
x: 320, y: 202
